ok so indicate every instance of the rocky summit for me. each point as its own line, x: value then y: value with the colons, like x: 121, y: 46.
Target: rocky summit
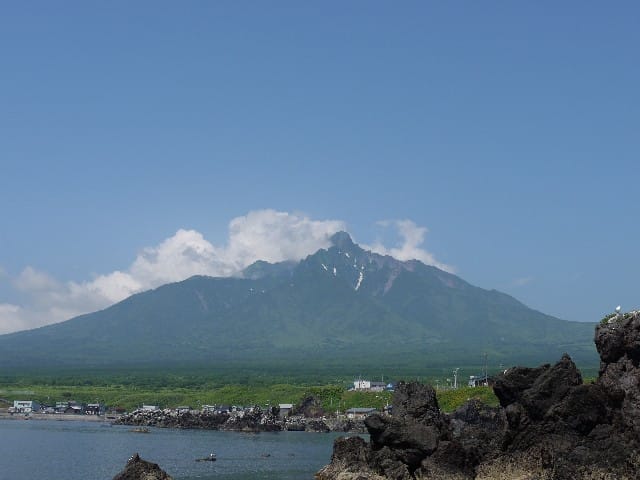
x: 549, y: 426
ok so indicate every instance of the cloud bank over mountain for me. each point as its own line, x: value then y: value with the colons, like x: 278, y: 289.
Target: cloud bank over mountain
x: 268, y: 235
x: 410, y: 247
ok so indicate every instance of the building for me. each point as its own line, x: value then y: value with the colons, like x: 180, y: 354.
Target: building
x: 70, y: 407
x: 76, y: 408
x: 25, y: 406
x: 358, y: 413
x: 94, y: 409
x: 480, y: 381
x: 378, y: 386
x: 285, y: 408
x: 369, y: 386
x: 361, y: 384
x: 150, y: 408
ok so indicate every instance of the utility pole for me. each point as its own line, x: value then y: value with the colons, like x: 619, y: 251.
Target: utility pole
x: 486, y: 379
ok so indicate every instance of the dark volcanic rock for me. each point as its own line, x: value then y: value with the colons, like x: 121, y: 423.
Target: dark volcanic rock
x: 550, y: 425
x: 414, y: 431
x: 174, y: 419
x: 138, y: 469
x: 253, y: 420
x: 314, y: 425
x: 537, y: 389
x: 309, y: 407
x: 618, y: 342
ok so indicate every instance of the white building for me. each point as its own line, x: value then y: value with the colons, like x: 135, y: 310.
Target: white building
x: 361, y: 384
x: 25, y: 406
x: 368, y: 385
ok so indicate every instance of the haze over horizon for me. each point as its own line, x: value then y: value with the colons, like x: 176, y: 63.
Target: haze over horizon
x: 144, y: 143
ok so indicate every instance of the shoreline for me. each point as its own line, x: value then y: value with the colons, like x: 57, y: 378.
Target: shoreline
x: 255, y: 420
x: 55, y: 417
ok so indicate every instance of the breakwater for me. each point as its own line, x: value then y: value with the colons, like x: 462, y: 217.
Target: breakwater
x: 254, y: 419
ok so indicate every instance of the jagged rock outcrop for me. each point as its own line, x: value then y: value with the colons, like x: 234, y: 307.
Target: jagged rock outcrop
x: 139, y: 469
x: 253, y: 420
x: 550, y: 425
x: 309, y: 407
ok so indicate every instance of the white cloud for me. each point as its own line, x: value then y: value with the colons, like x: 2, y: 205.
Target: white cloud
x: 276, y: 236
x: 11, y: 318
x: 412, y: 237
x: 260, y: 235
x: 31, y: 280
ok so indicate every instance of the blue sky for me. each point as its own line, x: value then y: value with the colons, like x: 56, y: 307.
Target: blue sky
x: 133, y: 132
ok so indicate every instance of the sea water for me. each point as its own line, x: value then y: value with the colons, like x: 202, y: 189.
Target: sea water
x: 66, y: 450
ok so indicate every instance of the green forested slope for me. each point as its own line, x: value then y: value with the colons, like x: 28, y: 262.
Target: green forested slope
x: 341, y: 308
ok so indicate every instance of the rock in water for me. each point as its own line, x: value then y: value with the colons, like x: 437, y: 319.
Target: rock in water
x: 550, y: 426
x: 138, y: 469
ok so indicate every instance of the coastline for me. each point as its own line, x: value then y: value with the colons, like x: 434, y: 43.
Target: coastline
x: 198, y: 421
x: 59, y: 417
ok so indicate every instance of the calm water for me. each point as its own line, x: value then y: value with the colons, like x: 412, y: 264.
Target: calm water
x: 56, y: 450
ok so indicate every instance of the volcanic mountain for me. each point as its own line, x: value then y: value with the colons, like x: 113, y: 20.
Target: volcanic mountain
x: 341, y: 306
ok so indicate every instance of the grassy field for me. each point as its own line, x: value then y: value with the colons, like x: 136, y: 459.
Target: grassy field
x: 129, y: 397
x: 130, y: 389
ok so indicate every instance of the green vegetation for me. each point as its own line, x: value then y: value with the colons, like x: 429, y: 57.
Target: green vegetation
x: 618, y: 317
x: 130, y: 396
x: 449, y: 400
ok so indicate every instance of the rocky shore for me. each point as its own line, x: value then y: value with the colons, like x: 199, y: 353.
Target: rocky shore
x: 139, y: 469
x: 549, y: 426
x: 254, y: 419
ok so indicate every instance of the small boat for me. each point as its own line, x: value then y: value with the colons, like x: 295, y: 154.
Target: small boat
x: 210, y: 458
x: 140, y: 430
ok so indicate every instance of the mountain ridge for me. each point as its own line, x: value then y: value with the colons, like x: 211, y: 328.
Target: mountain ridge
x: 341, y: 304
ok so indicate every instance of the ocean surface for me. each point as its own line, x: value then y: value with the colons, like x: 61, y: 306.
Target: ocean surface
x: 78, y: 450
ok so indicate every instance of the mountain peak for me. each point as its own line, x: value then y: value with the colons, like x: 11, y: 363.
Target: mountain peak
x: 261, y: 269
x: 342, y: 240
